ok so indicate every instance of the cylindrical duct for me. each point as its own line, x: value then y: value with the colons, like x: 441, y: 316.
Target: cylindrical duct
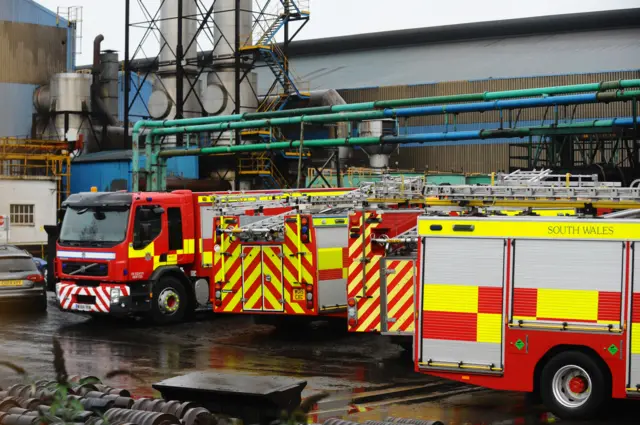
x: 378, y: 155
x: 70, y: 95
x: 109, y: 67
x: 169, y: 32
x: 162, y: 102
x: 218, y: 96
x: 42, y: 99
x: 224, y: 16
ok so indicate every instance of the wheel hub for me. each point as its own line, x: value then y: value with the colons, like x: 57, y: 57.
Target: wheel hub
x: 168, y: 301
x: 571, y: 386
x: 577, y: 385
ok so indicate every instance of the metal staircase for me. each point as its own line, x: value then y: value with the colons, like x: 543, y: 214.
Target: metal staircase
x: 262, y: 46
x: 263, y: 166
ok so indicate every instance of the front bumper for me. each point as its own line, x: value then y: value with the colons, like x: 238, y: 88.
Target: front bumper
x: 25, y: 295
x: 133, y: 299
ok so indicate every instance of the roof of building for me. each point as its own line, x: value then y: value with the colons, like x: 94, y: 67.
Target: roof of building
x: 574, y: 22
x: 29, y: 12
x: 600, y: 20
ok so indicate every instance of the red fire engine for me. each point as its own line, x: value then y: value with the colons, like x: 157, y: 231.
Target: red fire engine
x: 536, y: 304
x: 145, y: 253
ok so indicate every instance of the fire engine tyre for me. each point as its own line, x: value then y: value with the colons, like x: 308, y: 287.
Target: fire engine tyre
x: 574, y: 386
x: 170, y: 302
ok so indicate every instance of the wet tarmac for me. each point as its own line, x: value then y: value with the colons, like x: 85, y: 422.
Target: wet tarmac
x: 367, y: 376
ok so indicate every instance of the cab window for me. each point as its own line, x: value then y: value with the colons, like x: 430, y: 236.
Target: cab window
x: 147, y: 225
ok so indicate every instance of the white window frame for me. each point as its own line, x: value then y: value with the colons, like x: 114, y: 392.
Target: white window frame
x: 24, y: 211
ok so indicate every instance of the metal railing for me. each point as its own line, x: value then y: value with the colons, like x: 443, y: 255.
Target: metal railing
x: 26, y: 159
x: 262, y: 166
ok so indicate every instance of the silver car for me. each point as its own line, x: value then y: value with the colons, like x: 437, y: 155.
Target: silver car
x: 20, y: 279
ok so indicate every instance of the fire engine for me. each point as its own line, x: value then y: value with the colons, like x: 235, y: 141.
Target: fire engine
x: 535, y: 304
x: 287, y: 267
x: 383, y: 264
x: 147, y: 254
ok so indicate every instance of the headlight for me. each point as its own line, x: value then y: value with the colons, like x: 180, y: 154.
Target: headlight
x: 115, y: 295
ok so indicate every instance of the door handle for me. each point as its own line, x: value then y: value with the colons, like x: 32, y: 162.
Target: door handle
x: 163, y: 258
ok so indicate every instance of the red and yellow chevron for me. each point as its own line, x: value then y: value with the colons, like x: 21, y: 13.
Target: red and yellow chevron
x: 400, y: 298
x: 252, y: 278
x: 365, y: 286
x: 298, y: 268
x: 355, y: 271
x: 272, y: 283
x: 227, y: 273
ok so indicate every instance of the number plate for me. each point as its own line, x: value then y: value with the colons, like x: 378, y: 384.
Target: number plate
x: 298, y: 294
x: 10, y: 283
x: 81, y: 307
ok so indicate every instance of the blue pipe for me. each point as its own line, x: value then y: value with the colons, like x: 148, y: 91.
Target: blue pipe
x: 493, y: 105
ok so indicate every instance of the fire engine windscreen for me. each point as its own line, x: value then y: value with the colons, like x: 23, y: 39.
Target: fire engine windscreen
x: 94, y: 226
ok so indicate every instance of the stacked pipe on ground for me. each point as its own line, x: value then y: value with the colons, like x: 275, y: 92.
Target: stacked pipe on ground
x: 103, y: 405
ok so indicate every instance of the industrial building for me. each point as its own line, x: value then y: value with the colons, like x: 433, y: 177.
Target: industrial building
x: 475, y: 58
x: 101, y: 104
x: 436, y: 61
x: 37, y: 44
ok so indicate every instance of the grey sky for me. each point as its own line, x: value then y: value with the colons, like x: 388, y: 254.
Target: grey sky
x: 343, y: 17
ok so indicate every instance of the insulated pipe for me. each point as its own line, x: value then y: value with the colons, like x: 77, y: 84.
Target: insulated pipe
x: 381, y: 104
x: 388, y: 103
x: 405, y: 112
x: 95, y: 86
x: 95, y: 69
x: 415, y: 138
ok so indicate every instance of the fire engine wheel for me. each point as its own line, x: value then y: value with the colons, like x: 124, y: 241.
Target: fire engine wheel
x: 573, y: 385
x: 169, y: 303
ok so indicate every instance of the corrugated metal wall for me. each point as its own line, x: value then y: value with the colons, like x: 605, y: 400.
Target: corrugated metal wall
x: 483, y: 157
x: 31, y: 54
x: 475, y: 59
x: 33, y: 46
x: 28, y: 11
x: 460, y: 158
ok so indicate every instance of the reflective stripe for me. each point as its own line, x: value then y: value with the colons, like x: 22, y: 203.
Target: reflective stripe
x: 532, y: 228
x: 87, y: 255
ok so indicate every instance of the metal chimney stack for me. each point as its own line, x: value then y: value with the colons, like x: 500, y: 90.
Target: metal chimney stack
x: 162, y: 103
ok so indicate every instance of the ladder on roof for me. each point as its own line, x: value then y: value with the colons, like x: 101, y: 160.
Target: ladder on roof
x: 269, y: 225
x: 545, y: 177
x: 522, y: 189
x: 489, y: 195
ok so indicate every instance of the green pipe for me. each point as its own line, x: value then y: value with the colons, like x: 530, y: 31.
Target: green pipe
x: 363, y: 141
x: 380, y: 104
x: 377, y: 114
x: 621, y: 84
